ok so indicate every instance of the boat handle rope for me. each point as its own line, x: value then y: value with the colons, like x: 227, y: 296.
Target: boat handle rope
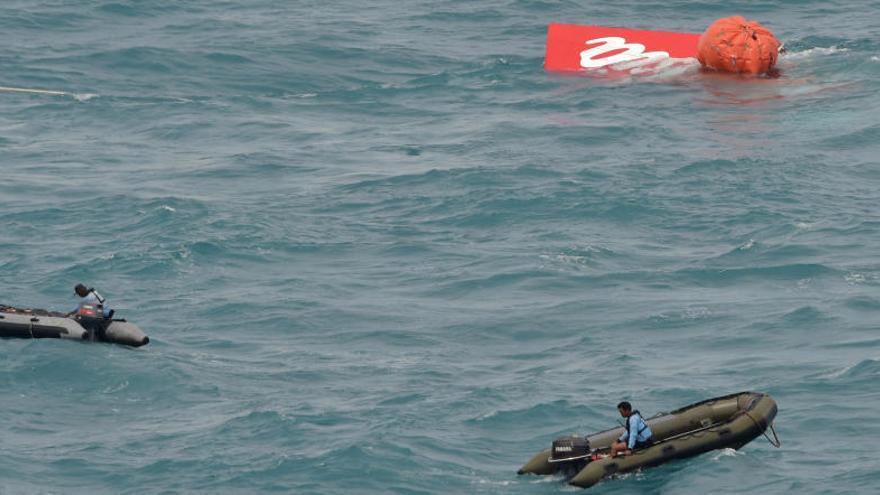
x: 777, y: 443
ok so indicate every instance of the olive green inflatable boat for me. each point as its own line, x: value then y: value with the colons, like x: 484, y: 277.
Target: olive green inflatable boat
x: 723, y: 422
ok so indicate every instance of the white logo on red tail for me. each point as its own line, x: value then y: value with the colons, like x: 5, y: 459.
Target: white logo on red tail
x: 633, y: 58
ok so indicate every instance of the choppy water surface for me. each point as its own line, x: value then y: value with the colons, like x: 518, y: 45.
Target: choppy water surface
x: 379, y: 250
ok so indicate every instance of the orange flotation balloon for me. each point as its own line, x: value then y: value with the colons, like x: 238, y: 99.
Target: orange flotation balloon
x: 736, y: 45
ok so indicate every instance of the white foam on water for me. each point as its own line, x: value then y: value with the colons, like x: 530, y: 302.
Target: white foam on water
x: 677, y: 67
x: 488, y: 415
x: 818, y: 51
x: 748, y: 245
x: 854, y: 278
x: 696, y: 313
x: 548, y: 479
x: 495, y: 482
x: 112, y: 389
x: 727, y: 452
x: 565, y: 258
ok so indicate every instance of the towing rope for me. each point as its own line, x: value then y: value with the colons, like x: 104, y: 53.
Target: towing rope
x: 777, y: 443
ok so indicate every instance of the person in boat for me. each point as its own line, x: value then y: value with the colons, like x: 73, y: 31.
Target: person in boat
x: 638, y: 434
x: 91, y: 296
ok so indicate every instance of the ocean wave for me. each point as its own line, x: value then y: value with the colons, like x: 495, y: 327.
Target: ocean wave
x: 382, y: 250
x: 864, y: 303
x: 860, y: 372
x: 863, y: 369
x: 807, y: 315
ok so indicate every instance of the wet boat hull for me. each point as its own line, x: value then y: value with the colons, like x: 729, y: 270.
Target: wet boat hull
x: 723, y: 422
x: 38, y: 324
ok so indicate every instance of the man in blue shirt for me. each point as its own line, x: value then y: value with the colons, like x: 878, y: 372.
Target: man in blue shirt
x: 637, y: 435
x: 91, y: 296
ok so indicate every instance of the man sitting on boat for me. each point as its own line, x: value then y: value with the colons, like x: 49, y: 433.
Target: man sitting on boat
x: 91, y: 296
x: 637, y: 435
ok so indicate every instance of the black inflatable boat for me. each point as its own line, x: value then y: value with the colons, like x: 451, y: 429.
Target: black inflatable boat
x: 88, y: 323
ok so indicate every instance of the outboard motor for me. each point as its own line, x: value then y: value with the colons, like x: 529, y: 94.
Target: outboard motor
x: 570, y: 449
x: 91, y: 317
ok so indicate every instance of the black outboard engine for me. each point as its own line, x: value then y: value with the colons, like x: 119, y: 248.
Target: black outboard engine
x: 570, y: 449
x: 91, y: 317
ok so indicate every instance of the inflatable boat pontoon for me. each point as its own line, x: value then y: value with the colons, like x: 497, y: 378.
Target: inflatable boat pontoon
x: 86, y: 324
x: 723, y: 422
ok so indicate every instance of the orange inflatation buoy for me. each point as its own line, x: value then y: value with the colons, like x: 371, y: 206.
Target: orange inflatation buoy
x: 733, y: 44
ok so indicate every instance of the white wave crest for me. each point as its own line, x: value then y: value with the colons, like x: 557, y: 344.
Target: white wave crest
x: 832, y: 375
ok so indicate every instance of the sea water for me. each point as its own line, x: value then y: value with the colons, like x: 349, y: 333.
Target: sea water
x: 378, y: 249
